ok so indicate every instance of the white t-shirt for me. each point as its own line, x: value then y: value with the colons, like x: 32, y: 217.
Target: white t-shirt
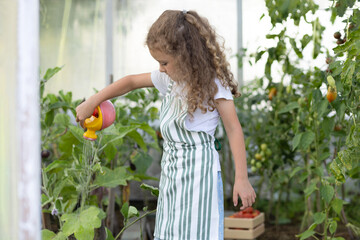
x: 205, y: 122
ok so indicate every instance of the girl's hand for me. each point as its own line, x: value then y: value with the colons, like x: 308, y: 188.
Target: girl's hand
x: 246, y: 192
x: 84, y: 111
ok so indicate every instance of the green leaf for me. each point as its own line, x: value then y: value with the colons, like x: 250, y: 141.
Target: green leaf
x: 306, y: 234
x: 124, y: 130
x: 297, y: 169
x: 337, y: 205
x: 138, y: 139
x: 82, y: 224
x: 335, y: 67
x: 259, y: 55
x: 146, y: 127
x: 44, y: 199
x: 310, y: 189
x: 319, y: 217
x: 62, y: 119
x: 322, y: 107
x: 340, y: 110
x: 327, y: 193
x: 47, y: 234
x: 58, y: 105
x: 77, y: 133
x: 42, y: 88
x: 142, y: 161
x: 338, y: 238
x: 328, y: 125
x: 350, y: 3
x: 336, y: 171
x: 348, y: 72
x: 154, y: 113
x: 73, y: 137
x: 58, y: 165
x: 60, y: 236
x: 125, y: 210
x: 296, y: 140
x: 110, y: 151
x: 306, y: 139
x: 289, y: 107
x: 133, y: 212
x: 347, y: 158
x: 323, y: 156
x: 154, y: 191
x: 332, y: 227
x: 112, y: 178
x: 295, y: 48
x: 49, y: 118
x: 305, y: 40
x: 109, y: 235
x: 341, y: 7
x: 271, y: 36
x: 51, y: 72
x: 141, y: 177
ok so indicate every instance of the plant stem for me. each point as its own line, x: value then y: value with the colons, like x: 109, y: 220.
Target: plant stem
x: 132, y: 223
x: 326, y: 221
x: 277, y: 211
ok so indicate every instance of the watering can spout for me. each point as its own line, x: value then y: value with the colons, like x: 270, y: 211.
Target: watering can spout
x: 102, y: 117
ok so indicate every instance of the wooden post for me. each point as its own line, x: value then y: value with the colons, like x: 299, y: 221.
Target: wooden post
x: 240, y: 74
x: 20, y: 122
x: 109, y: 41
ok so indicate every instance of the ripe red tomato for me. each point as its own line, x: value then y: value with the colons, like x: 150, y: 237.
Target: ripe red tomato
x: 248, y: 210
x: 331, y: 94
x: 256, y: 213
x: 246, y: 213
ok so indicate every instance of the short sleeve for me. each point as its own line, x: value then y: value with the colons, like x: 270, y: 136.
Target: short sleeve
x: 222, y: 91
x: 160, y: 81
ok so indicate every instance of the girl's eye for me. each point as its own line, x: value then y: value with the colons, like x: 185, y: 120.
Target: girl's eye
x: 163, y: 64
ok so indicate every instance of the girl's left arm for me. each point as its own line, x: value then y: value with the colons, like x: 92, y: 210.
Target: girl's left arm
x: 242, y: 186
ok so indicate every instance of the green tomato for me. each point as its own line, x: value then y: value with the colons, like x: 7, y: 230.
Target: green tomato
x: 288, y: 89
x: 268, y: 152
x: 253, y: 169
x: 258, y: 156
x: 262, y: 153
x: 263, y: 146
x: 258, y: 165
x: 253, y: 161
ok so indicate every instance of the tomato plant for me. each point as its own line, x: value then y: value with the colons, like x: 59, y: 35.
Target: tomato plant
x: 81, y: 179
x: 311, y: 156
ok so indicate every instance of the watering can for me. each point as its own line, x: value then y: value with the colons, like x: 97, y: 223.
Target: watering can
x: 102, y: 117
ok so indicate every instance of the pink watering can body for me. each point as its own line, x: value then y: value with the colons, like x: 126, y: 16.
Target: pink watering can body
x: 102, y: 117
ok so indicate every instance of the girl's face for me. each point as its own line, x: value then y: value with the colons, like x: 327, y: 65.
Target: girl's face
x: 166, y: 63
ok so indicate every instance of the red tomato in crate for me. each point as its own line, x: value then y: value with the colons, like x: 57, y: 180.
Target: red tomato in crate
x: 256, y: 213
x: 248, y: 210
x: 246, y: 213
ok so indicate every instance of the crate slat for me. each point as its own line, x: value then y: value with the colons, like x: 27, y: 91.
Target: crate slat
x: 244, y: 222
x: 244, y: 234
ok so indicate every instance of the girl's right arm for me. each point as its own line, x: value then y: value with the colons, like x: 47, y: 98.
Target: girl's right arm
x: 118, y: 88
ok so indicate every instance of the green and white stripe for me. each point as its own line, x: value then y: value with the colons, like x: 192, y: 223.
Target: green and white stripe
x: 187, y: 204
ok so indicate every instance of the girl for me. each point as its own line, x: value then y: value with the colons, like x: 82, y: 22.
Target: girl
x: 197, y: 85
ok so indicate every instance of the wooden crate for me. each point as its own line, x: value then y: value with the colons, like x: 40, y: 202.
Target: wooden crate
x: 244, y: 228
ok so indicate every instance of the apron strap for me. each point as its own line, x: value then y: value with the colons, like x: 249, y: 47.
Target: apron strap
x: 217, y: 144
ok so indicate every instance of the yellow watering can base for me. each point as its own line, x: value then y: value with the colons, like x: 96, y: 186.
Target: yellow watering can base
x: 92, y: 125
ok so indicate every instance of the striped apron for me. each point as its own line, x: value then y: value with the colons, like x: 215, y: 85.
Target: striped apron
x: 188, y: 198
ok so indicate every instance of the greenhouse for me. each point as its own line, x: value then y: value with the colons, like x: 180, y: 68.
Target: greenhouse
x: 165, y: 119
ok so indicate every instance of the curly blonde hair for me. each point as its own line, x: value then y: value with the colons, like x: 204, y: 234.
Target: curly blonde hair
x: 193, y: 43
